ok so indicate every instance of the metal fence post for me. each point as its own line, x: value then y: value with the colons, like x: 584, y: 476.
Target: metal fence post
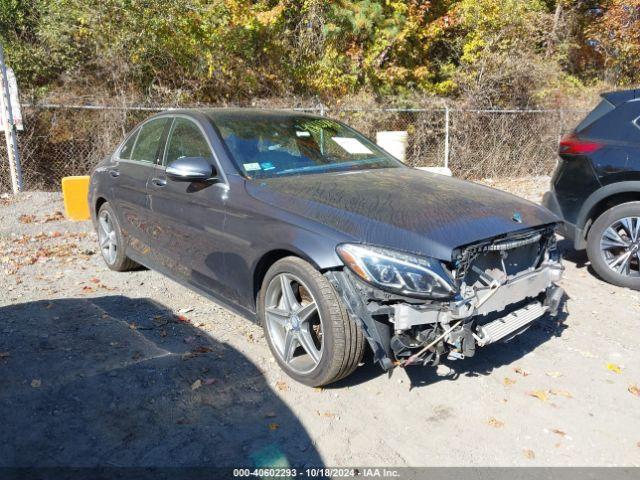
x: 561, y: 122
x: 9, y: 128
x: 446, y: 136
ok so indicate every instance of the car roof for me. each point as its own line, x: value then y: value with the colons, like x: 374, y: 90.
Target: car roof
x: 216, y: 114
x: 621, y: 96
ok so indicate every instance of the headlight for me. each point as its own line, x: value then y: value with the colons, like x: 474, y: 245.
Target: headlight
x: 398, y: 272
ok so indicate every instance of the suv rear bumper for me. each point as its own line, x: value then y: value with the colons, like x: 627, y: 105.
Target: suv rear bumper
x: 566, y: 229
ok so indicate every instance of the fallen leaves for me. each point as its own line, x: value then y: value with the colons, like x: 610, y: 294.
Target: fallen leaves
x: 326, y: 414
x: 53, y: 217
x: 612, y: 367
x: 562, y: 393
x: 273, y: 426
x: 543, y: 395
x: 634, y: 390
x: 36, y: 383
x: 521, y: 371
x: 203, y: 382
x: 559, y: 432
x: 24, y: 250
x: 508, y: 381
x: 539, y: 394
x: 201, y: 349
x: 529, y: 454
x: 24, y: 218
x: 554, y: 374
x: 495, y: 423
x: 282, y: 385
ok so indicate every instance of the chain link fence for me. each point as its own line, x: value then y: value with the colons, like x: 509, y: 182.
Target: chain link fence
x: 63, y: 140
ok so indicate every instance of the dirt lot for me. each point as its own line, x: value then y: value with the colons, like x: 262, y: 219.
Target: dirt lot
x: 102, y: 368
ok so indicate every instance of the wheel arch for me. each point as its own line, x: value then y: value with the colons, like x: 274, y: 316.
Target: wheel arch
x: 602, y: 200
x: 269, y: 258
x: 98, y: 203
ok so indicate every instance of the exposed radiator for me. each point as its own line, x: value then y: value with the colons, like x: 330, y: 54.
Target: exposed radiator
x: 500, y: 328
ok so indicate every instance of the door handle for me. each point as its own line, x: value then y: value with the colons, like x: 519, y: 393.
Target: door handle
x: 114, y: 173
x: 159, y: 182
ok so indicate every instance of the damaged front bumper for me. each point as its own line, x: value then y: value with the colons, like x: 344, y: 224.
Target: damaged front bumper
x: 404, y: 331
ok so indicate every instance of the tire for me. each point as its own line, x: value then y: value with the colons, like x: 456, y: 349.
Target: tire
x: 341, y: 340
x: 118, y: 262
x: 617, y: 217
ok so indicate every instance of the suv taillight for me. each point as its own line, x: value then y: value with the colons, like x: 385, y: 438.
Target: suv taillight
x: 572, y: 145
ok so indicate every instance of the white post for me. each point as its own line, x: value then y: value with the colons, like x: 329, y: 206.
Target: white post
x: 9, y: 128
x: 446, y: 136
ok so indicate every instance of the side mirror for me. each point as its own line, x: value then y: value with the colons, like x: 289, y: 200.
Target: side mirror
x: 190, y: 169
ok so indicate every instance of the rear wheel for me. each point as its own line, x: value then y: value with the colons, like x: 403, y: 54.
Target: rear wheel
x: 307, y: 328
x: 613, y: 245
x: 111, y: 241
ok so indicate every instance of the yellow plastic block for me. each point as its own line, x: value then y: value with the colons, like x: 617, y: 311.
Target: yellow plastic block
x: 75, y: 191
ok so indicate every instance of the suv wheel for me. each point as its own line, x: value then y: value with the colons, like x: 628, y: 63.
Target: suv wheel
x: 307, y: 328
x: 613, y: 245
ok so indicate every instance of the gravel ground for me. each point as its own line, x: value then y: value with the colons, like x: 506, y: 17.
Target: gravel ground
x: 105, y: 368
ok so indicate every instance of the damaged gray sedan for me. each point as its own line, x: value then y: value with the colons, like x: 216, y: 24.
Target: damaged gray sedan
x: 305, y: 225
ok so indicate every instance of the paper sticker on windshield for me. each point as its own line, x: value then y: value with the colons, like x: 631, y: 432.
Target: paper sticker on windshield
x: 351, y: 145
x: 303, y: 133
x: 251, y: 166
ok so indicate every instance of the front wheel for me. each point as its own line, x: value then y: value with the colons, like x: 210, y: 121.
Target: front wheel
x: 307, y: 328
x: 613, y: 245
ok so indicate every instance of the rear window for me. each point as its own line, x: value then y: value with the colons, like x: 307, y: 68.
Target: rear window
x: 601, y: 110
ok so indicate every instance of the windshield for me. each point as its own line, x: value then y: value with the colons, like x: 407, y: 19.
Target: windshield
x: 267, y: 146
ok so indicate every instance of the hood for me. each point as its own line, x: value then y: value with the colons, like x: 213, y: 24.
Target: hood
x: 402, y: 208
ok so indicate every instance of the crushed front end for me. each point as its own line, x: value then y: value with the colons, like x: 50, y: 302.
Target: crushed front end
x: 415, y: 310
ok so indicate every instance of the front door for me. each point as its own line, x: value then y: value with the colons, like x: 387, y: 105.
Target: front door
x: 187, y: 218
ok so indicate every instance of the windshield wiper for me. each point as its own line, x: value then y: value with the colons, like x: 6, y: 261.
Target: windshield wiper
x: 331, y: 166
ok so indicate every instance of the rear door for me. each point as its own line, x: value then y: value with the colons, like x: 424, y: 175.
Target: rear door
x: 131, y: 174
x: 187, y: 218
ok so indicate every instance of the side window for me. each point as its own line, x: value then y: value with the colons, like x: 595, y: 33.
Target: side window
x: 186, y: 140
x: 146, y: 148
x: 125, y: 151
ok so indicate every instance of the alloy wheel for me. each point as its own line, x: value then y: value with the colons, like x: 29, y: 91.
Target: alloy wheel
x: 620, y: 246
x: 294, y: 323
x: 107, y: 238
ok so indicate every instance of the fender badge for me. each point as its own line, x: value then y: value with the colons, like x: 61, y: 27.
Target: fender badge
x: 517, y: 217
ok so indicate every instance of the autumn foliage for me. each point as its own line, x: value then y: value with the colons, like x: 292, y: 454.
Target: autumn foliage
x: 485, y: 52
